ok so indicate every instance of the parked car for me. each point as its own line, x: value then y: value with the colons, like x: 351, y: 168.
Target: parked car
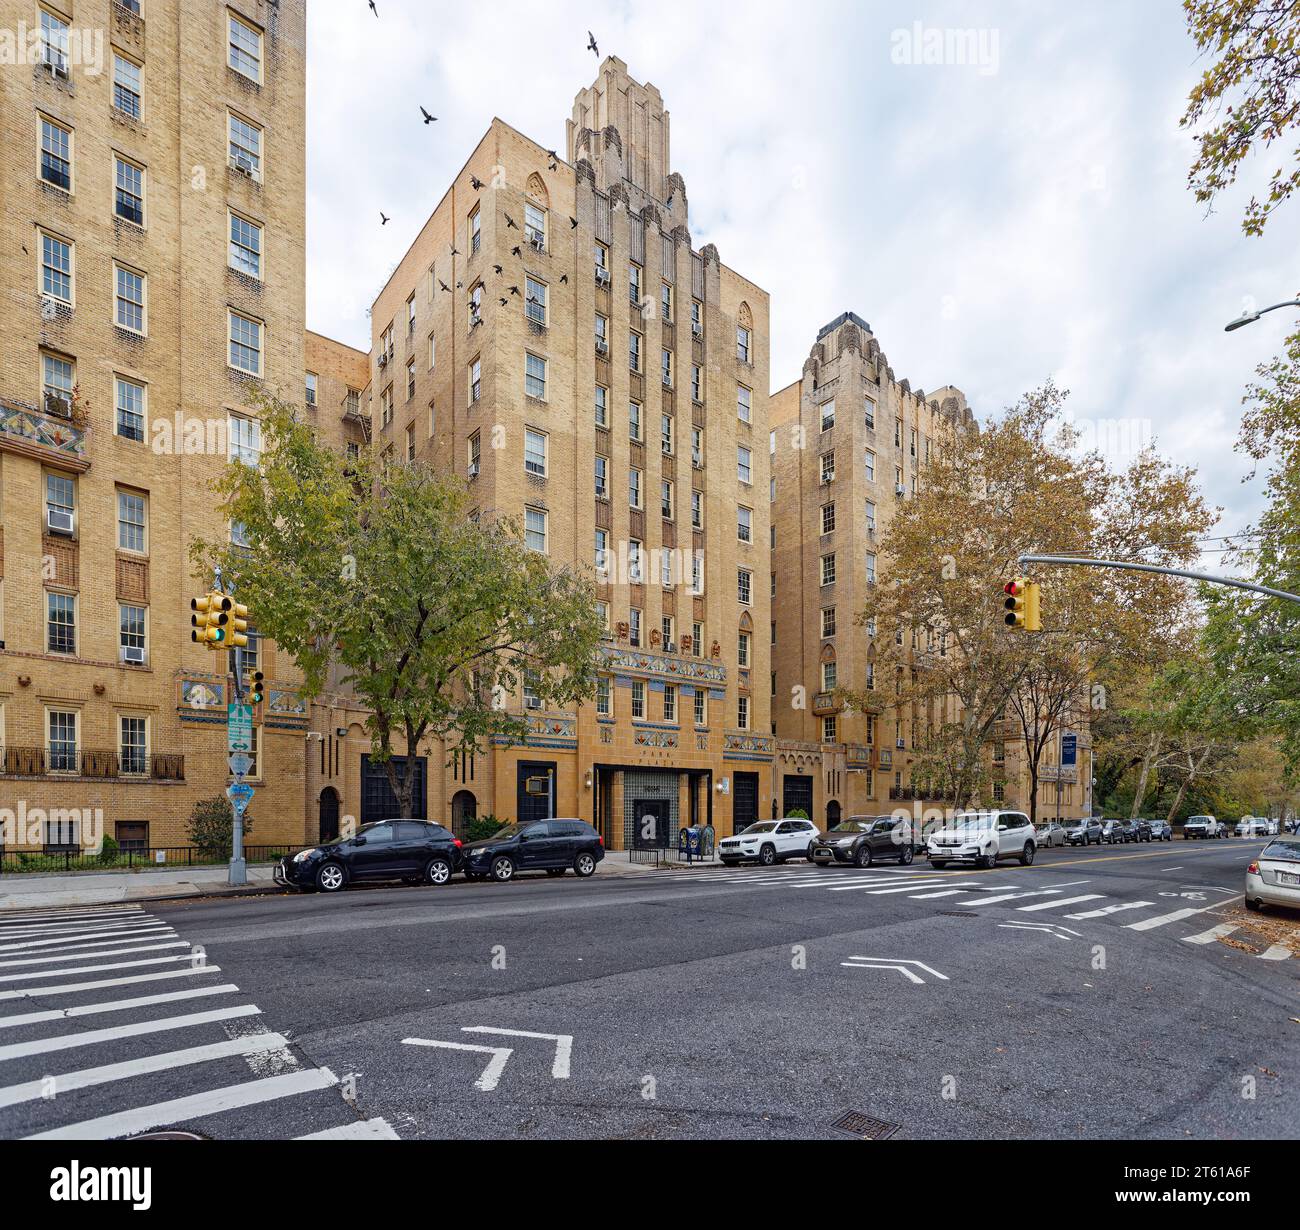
x: 1161, y: 830
x: 1274, y: 877
x: 552, y: 846
x: 1200, y: 827
x: 1143, y: 829
x: 863, y: 840
x: 1252, y: 826
x: 1053, y: 833
x: 769, y: 842
x: 982, y: 838
x: 409, y: 850
x: 1112, y: 832
x: 1083, y: 832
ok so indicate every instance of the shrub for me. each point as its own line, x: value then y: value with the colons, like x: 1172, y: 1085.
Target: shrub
x: 109, y: 851
x: 212, y: 824
x: 482, y: 827
x: 798, y: 814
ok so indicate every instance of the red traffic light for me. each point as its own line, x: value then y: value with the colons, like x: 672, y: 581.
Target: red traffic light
x: 1012, y: 588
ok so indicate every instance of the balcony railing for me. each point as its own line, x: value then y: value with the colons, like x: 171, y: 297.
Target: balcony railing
x: 74, y: 762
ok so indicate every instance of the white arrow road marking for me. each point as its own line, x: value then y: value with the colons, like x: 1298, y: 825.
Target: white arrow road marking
x: 1056, y: 905
x: 1208, y: 937
x: 1109, y: 909
x: 896, y: 963
x: 563, y: 1045
x: 1061, y: 933
x: 362, y: 1129
x: 1279, y: 952
x: 496, y: 1065
x: 902, y: 969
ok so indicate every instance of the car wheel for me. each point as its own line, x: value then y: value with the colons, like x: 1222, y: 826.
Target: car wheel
x: 862, y: 856
x: 989, y: 862
x: 767, y: 856
x: 1027, y: 854
x: 437, y: 872
x: 811, y: 858
x: 1257, y: 905
x: 330, y: 878
x: 584, y: 865
x: 905, y: 855
x: 503, y: 869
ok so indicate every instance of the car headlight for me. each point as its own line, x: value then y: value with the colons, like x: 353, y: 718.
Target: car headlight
x: 303, y: 855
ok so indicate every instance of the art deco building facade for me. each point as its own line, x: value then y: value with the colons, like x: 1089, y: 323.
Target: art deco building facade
x: 153, y: 262
x: 849, y: 443
x: 553, y: 337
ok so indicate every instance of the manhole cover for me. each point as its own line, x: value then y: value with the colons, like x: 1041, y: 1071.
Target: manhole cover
x: 957, y: 913
x: 855, y: 1123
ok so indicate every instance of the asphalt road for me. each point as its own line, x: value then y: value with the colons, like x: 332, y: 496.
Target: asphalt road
x: 1061, y: 1001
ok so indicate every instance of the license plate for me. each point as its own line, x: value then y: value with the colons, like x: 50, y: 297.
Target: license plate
x: 1288, y: 877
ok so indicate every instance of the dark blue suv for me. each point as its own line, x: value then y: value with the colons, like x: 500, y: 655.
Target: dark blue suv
x: 552, y: 846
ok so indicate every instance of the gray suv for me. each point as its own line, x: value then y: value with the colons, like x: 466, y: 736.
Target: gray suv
x: 1084, y: 832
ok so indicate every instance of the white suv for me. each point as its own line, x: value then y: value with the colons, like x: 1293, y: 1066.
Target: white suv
x: 982, y: 837
x: 768, y: 842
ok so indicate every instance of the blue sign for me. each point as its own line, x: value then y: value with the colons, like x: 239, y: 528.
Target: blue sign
x: 1069, y: 750
x: 239, y: 794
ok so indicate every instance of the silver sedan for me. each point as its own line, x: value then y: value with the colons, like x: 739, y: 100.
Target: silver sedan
x: 1274, y: 877
x: 1050, y: 834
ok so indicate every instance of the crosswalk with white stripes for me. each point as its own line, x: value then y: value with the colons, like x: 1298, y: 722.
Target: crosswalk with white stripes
x: 112, y: 1025
x: 974, y: 894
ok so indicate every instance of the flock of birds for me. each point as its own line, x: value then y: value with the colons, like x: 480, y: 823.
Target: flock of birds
x: 478, y: 185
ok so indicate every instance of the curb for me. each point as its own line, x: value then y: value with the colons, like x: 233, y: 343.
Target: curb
x: 248, y: 891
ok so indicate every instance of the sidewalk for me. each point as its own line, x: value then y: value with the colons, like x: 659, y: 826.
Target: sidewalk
x: 43, y: 891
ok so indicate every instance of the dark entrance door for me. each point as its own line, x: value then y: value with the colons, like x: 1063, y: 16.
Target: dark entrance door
x: 832, y: 813
x: 536, y: 793
x: 798, y: 795
x: 650, y: 831
x: 329, y: 814
x: 745, y: 807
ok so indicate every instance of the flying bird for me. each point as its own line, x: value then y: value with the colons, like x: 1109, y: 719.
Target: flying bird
x: 454, y: 252
x: 514, y: 290
x: 428, y: 119
x: 503, y: 303
x: 476, y: 183
x: 516, y: 251
x: 374, y: 10
x: 382, y: 216
x: 564, y: 279
x: 591, y: 40
x: 444, y: 286
x: 573, y: 223
x: 497, y: 270
x: 511, y: 224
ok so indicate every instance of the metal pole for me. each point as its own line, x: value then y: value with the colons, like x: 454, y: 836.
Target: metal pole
x: 238, y: 874
x: 1077, y: 562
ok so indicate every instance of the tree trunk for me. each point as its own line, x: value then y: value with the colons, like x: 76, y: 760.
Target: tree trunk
x: 1153, y: 749
x: 1193, y: 768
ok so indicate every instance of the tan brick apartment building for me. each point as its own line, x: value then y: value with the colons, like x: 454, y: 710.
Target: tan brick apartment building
x: 153, y: 263
x: 849, y: 442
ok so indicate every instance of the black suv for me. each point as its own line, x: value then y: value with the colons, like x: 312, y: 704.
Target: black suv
x: 409, y: 850
x: 861, y: 840
x: 552, y: 846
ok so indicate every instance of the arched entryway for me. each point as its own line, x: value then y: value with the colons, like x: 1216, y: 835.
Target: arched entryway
x: 464, y: 808
x: 329, y: 814
x: 832, y: 814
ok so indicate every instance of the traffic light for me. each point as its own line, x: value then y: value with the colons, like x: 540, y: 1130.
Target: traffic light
x: 209, y: 620
x: 237, y: 637
x: 1023, y: 604
x: 255, y: 690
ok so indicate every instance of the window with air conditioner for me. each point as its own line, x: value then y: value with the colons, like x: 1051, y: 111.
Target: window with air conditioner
x: 60, y: 504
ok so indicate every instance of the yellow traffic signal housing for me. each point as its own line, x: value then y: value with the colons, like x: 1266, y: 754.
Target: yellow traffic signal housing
x: 208, y: 622
x: 1034, y: 607
x: 238, y: 629
x: 1023, y: 604
x: 256, y: 692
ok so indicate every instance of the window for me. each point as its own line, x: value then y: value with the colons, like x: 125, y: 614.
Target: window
x: 133, y: 746
x: 744, y: 586
x: 828, y: 569
x: 744, y: 403
x: 535, y: 301
x: 239, y: 538
x: 128, y: 199
x: 245, y: 246
x: 634, y: 625
x: 634, y: 283
x: 531, y: 699
x: 473, y: 455
x: 670, y: 703
x: 245, y: 344
x: 830, y: 676
x: 603, y: 697
x: 638, y: 699
x: 666, y: 301
x: 697, y: 447
x: 871, y: 676
x: 744, y: 464
x: 386, y: 342
x: 666, y: 569
x: 386, y: 406
x: 697, y: 510
x: 130, y: 409
x: 697, y: 317
x: 634, y: 420
x: 62, y: 728
x: 534, y: 452
x: 743, y: 342
x: 912, y: 442
x: 54, y: 42
x: 535, y: 377
x: 129, y: 309
x: 535, y: 529
x: 828, y: 518
x: 602, y: 264
x: 898, y: 433
x: 742, y: 712
x: 602, y: 551
x: 828, y: 622
x: 697, y: 573
x: 410, y: 379
x: 410, y: 442
x: 59, y: 378
x: 535, y: 226
x: 56, y: 268
x: 666, y: 368
x: 634, y: 488
x: 635, y: 574
x: 830, y: 729
x: 602, y: 334
x: 602, y: 477
x: 828, y: 467
x: 666, y: 434
x: 474, y: 306
x: 871, y: 516
x: 131, y: 620
x: 701, y: 708
x: 130, y: 522
x: 245, y: 440
x: 61, y: 498
x: 475, y: 380
x: 245, y: 146
x: 310, y: 387
x: 871, y: 466
x: 871, y: 569
x: 745, y: 524
x: 56, y: 155
x: 666, y: 499
x: 61, y: 625
x: 697, y: 383
x: 871, y: 413
x: 828, y: 415
x: 742, y: 649
x: 697, y: 641
x: 634, y: 351
x: 602, y: 406
x: 245, y: 48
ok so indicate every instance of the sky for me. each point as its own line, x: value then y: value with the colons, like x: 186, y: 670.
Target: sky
x: 998, y: 189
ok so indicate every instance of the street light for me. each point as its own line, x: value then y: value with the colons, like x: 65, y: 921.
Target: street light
x: 1249, y: 318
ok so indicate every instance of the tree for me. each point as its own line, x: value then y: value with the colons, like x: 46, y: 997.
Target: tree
x: 1249, y: 96
x: 212, y: 825
x: 432, y: 617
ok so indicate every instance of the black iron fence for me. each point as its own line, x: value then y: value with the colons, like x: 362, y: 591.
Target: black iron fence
x: 66, y: 760
x: 52, y: 861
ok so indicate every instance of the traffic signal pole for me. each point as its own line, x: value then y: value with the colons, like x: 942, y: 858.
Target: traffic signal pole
x: 1074, y: 561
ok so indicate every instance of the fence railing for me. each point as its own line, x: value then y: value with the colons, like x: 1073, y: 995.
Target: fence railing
x: 52, y: 861
x: 59, y: 761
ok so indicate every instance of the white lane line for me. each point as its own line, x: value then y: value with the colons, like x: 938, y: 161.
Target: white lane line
x: 1161, y: 920
x: 859, y: 882
x: 27, y: 918
x: 114, y: 1005
x: 94, y: 969
x: 363, y: 1129
x: 66, y: 1082
x: 64, y: 1042
x: 69, y: 988
x: 947, y: 892
x: 1208, y: 937
x: 196, y: 1106
x: 1278, y: 952
x: 1039, y: 892
x: 1111, y: 909
x: 1056, y: 905
x: 61, y: 943
x: 1178, y: 868
x: 89, y: 956
x: 103, y: 924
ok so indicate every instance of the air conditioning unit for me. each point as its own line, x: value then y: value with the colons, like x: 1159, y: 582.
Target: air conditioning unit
x: 133, y: 655
x: 697, y: 329
x: 532, y: 702
x: 242, y: 163
x: 602, y: 346
x: 667, y: 447
x: 56, y: 405
x: 668, y: 381
x: 538, y: 242
x: 902, y: 744
x: 383, y: 361
x: 473, y: 469
x: 603, y: 276
x: 900, y: 490
x: 60, y: 521
x: 697, y: 461
x: 57, y: 68
x: 671, y: 647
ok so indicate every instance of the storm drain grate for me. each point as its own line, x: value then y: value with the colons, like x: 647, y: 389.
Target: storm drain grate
x: 957, y: 913
x: 855, y: 1123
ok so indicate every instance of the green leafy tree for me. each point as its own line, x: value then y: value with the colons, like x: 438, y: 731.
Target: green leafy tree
x: 432, y: 617
x: 212, y: 825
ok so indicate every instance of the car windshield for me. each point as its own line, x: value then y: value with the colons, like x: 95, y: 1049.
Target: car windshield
x: 972, y: 822
x: 853, y: 826
x: 1283, y: 851
x: 511, y: 830
x: 766, y: 827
